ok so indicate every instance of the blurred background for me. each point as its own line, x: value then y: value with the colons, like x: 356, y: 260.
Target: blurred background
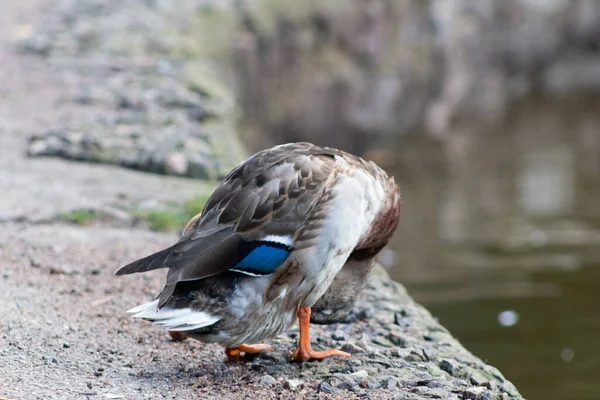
x: 487, y: 113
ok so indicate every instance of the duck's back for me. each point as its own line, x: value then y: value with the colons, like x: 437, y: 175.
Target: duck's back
x: 270, y: 189
x: 256, y: 212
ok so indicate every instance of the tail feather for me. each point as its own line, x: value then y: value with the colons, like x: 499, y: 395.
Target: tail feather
x: 153, y: 261
x: 175, y: 319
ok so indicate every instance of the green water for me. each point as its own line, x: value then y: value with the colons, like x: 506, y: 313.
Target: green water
x: 507, y: 217
x: 553, y: 351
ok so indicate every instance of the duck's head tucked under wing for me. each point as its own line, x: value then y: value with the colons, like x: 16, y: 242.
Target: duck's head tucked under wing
x: 285, y: 221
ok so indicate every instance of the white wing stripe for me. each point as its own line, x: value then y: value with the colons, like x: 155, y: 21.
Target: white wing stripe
x: 286, y: 240
x: 248, y: 273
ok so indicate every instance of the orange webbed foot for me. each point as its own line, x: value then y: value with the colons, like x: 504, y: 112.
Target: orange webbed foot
x: 301, y: 354
x: 304, y: 352
x: 247, y: 349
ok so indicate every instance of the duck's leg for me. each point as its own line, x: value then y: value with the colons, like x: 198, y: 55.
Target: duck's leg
x: 177, y: 336
x: 304, y: 352
x: 247, y: 348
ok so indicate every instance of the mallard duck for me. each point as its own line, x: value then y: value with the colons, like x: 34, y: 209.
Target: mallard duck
x: 292, y: 227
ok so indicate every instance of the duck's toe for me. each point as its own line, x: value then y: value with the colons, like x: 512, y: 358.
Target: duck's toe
x: 307, y: 354
x: 177, y: 336
x: 247, y: 349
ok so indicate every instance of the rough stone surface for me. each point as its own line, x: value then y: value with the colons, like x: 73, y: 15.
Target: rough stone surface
x: 149, y: 88
x: 64, y: 321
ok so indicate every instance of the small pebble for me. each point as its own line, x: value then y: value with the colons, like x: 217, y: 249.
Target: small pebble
x: 291, y: 384
x: 489, y: 384
x: 372, y: 384
x: 306, y: 374
x: 358, y: 375
x: 382, y: 341
x: 388, y: 382
x: 268, y: 380
x: 477, y: 393
x: 326, y: 388
x: 396, y: 353
x: 352, y: 348
x: 322, y: 369
x: 338, y: 335
x: 429, y: 354
x: 415, y: 356
x: 347, y: 383
x: 355, y: 362
x: 449, y: 366
x: 398, y: 339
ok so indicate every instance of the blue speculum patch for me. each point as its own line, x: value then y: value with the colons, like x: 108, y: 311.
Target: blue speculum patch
x: 264, y: 259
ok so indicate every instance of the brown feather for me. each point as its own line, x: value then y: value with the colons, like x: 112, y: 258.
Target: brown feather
x: 149, y: 263
x: 268, y: 194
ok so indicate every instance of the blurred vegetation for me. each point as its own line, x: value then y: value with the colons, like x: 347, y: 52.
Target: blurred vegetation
x: 172, y: 218
x: 163, y: 219
x: 82, y: 217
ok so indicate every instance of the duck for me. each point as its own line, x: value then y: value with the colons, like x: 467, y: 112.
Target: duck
x: 292, y: 229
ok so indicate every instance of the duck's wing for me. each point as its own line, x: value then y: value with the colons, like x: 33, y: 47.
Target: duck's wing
x: 249, y: 222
